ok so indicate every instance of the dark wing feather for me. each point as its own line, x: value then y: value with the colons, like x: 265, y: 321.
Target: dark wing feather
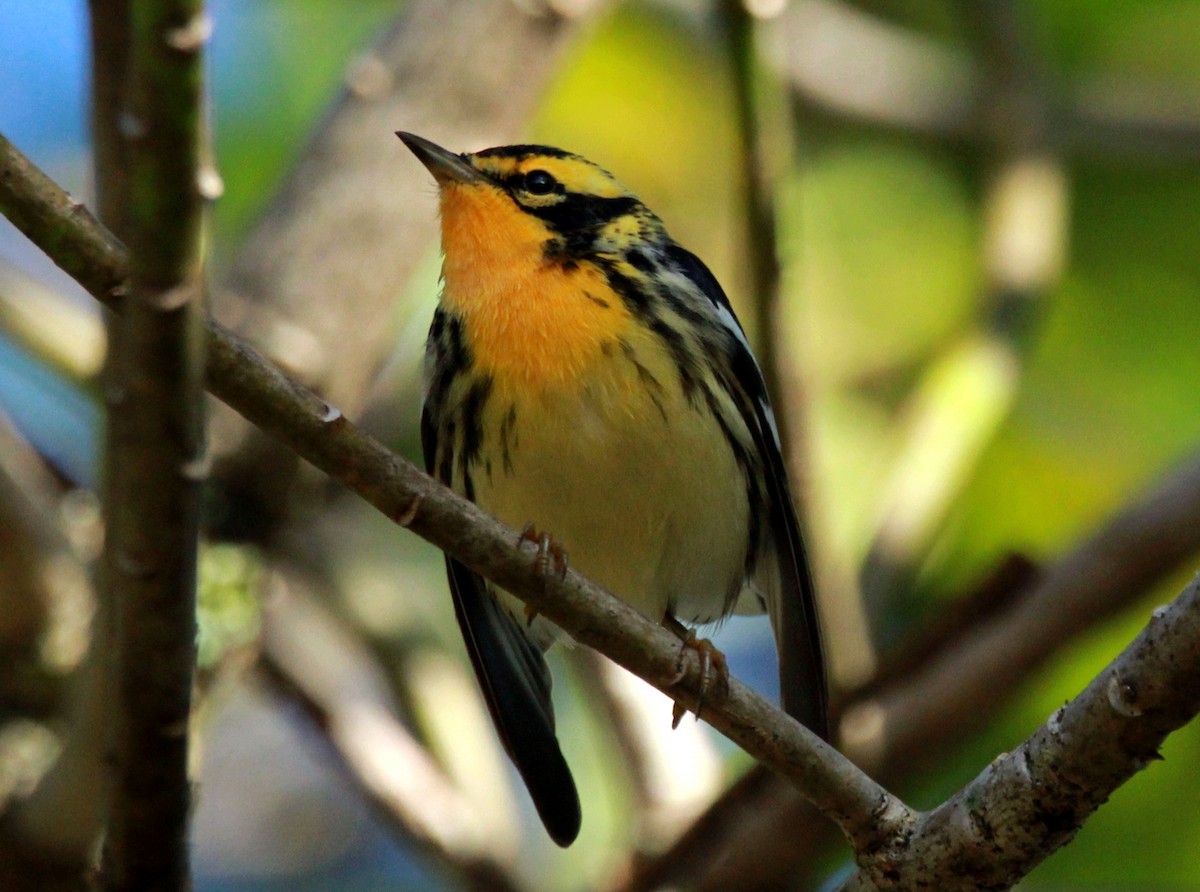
x: 803, y: 685
x: 516, y: 686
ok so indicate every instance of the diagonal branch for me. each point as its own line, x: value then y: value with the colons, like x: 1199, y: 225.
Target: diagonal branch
x: 1030, y: 802
x: 319, y: 433
x: 1123, y: 715
x: 317, y: 280
x: 760, y: 829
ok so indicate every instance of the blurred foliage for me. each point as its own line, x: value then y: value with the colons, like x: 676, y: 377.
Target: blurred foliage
x: 880, y: 237
x: 229, y: 615
x: 276, y: 65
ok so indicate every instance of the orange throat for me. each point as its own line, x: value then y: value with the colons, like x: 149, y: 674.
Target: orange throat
x: 529, y: 321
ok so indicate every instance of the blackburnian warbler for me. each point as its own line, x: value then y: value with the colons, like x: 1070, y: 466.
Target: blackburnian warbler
x: 586, y: 373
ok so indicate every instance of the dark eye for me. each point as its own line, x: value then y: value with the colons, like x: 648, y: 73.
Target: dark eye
x: 538, y: 182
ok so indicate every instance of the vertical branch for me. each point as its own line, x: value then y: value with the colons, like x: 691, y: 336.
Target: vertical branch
x: 149, y: 110
x: 760, y: 128
x: 109, y: 30
x: 761, y: 240
x: 967, y: 392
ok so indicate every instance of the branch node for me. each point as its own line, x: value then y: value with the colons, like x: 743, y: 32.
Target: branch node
x: 409, y: 514
x: 1123, y: 696
x: 197, y: 468
x: 131, y: 126
x: 209, y: 182
x: 192, y: 37
x: 331, y: 414
x: 169, y: 300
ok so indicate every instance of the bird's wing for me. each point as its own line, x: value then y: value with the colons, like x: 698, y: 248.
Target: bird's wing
x: 790, y: 596
x: 516, y: 686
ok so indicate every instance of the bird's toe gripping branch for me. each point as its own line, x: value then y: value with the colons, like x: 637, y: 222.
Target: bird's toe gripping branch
x: 710, y: 658
x: 551, y: 558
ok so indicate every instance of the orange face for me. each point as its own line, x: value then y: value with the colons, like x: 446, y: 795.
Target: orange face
x: 530, y: 317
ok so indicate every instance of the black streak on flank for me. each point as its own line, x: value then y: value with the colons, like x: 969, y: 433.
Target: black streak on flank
x: 448, y: 356
x: 751, y: 471
x: 438, y: 327
x: 653, y: 388
x: 684, y: 360
x: 472, y: 440
x: 507, y: 429
x: 640, y: 302
x: 459, y: 355
x: 640, y: 260
x: 684, y: 310
x: 635, y: 297
x: 598, y: 301
x: 451, y: 357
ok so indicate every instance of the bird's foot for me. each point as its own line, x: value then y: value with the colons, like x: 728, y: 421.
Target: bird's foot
x: 710, y: 658
x: 551, y: 557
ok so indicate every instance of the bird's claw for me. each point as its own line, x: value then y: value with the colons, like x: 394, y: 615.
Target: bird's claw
x: 550, y: 556
x: 710, y: 658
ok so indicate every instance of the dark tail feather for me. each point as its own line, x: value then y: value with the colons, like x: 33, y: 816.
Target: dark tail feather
x: 803, y: 689
x: 516, y: 686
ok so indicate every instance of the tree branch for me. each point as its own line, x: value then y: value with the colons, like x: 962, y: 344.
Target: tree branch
x: 1025, y: 230
x: 872, y: 819
x: 319, y: 433
x: 1030, y: 802
x: 350, y: 224
x: 154, y: 446
x: 762, y: 832
x: 847, y: 62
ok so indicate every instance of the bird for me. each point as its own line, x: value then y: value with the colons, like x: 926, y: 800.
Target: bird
x: 586, y: 375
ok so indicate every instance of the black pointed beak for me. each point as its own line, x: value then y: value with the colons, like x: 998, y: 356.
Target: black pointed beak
x: 445, y: 166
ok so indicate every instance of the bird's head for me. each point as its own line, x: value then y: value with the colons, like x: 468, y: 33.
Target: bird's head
x: 530, y: 200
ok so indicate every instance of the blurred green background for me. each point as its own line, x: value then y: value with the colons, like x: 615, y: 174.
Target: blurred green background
x: 888, y: 294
